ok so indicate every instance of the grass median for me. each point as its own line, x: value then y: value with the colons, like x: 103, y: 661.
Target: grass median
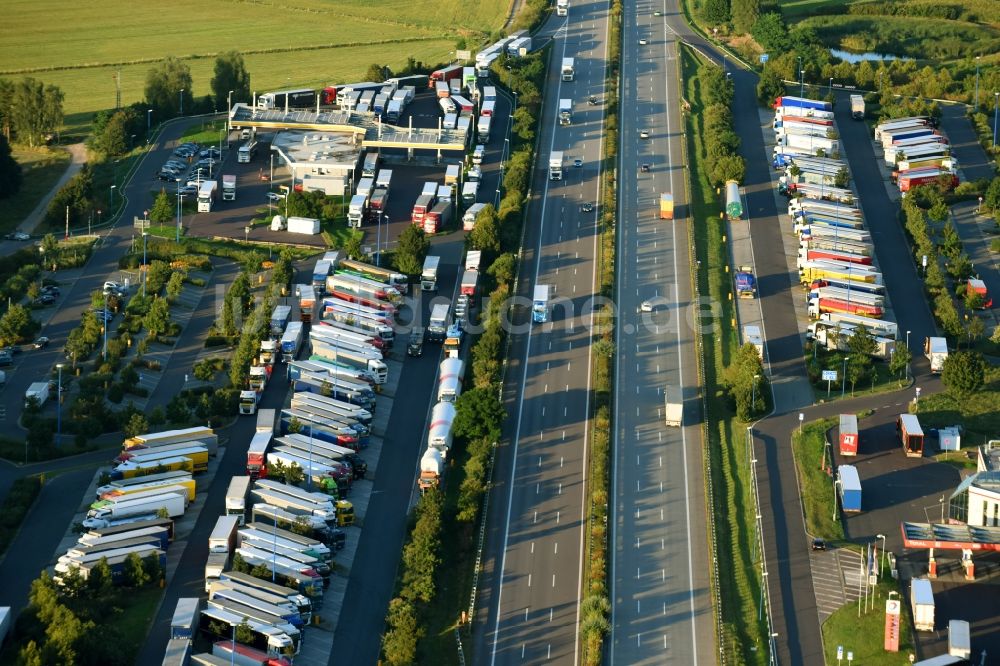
x: 728, y: 481
x: 815, y: 480
x: 42, y: 168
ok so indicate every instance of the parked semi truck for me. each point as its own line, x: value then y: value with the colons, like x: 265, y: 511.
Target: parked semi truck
x: 172, y: 503
x: 429, y: 274
x: 911, y: 435
x: 206, y: 195
x: 236, y: 497
x: 229, y: 188
x: 849, y: 487
x: 936, y: 351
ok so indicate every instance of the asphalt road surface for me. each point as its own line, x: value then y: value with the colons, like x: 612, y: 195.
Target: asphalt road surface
x: 532, y: 575
x: 662, y: 605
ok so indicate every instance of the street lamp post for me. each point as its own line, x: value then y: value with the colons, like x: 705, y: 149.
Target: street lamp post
x: 882, y: 567
x: 144, y: 235
x: 246, y: 234
x: 378, y: 239
x: 149, y: 123
x: 753, y: 394
x: 802, y: 83
x: 843, y: 382
x: 229, y: 108
x: 830, y: 89
x: 996, y: 100
x: 181, y: 93
x: 180, y: 199
x: 111, y: 197
x: 59, y: 367
x: 907, y: 349
x: 977, y: 83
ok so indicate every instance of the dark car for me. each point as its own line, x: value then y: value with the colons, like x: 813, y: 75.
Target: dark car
x: 187, y: 191
x: 587, y: 207
x: 6, y: 358
x: 592, y: 100
x: 51, y: 289
x: 212, y: 152
x: 818, y: 544
x: 41, y: 342
x: 644, y: 168
x: 45, y: 299
x: 415, y: 346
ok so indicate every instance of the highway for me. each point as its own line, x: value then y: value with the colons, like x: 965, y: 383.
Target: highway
x: 532, y: 574
x: 662, y: 605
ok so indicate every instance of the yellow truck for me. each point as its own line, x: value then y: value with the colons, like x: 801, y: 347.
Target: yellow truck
x: 131, y: 470
x: 167, y: 485
x: 197, y: 454
x: 666, y: 206
x: 821, y: 270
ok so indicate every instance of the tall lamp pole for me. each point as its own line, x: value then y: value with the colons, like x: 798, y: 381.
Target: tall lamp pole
x: 802, y: 83
x: 229, y: 109
x: 977, y: 83
x: 181, y: 93
x: 996, y: 97
x: 149, y: 123
x: 59, y: 367
x: 145, y: 234
x: 180, y: 199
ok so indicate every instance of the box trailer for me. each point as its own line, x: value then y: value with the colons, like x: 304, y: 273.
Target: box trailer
x: 848, y: 435
x: 936, y: 351
x: 959, y: 643
x: 849, y: 485
x: 673, y: 406
x: 910, y: 435
x: 922, y: 603
x: 223, y: 536
x: 184, y: 623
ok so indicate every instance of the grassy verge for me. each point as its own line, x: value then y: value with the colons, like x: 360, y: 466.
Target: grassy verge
x: 41, y: 167
x: 728, y: 478
x: 863, y: 633
x: 15, y: 507
x: 14, y: 451
x: 815, y: 480
x: 881, y: 380
x: 206, y: 133
x: 977, y: 413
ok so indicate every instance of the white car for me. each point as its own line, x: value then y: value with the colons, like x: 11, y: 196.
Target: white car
x: 274, y: 196
x: 644, y: 134
x: 643, y: 42
x: 652, y: 305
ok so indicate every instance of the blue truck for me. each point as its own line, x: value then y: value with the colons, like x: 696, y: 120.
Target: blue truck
x: 802, y: 103
x: 849, y: 484
x: 746, y: 284
x: 333, y: 389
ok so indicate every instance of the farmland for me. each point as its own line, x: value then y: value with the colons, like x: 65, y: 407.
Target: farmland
x: 313, y: 42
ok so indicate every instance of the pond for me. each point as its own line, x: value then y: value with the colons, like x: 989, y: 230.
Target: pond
x: 855, y: 58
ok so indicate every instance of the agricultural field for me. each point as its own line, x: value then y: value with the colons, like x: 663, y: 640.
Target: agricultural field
x: 918, y: 29
x: 311, y: 42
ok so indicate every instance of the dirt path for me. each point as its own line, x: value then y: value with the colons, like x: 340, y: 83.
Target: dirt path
x: 78, y: 154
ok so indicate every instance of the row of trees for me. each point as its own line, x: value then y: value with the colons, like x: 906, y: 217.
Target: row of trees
x: 77, y: 621
x: 30, y: 110
x: 11, y: 174
x: 169, y: 84
x: 722, y: 144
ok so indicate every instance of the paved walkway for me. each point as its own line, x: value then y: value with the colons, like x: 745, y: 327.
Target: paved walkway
x: 78, y: 155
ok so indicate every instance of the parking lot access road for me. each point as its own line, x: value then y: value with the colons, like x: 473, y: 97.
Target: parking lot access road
x: 661, y: 604
x: 534, y: 552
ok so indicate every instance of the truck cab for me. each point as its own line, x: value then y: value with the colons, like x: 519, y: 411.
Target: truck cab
x: 540, y: 304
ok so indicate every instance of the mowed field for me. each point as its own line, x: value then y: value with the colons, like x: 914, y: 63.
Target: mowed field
x: 79, y: 47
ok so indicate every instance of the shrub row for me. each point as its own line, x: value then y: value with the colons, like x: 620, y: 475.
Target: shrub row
x: 15, y: 507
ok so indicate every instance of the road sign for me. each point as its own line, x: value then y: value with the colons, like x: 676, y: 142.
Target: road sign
x: 463, y: 54
x: 140, y: 224
x: 763, y: 58
x: 829, y: 375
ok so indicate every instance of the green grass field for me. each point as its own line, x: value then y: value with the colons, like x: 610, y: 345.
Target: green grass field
x: 816, y: 484
x: 310, y: 43
x: 739, y: 584
x: 977, y: 413
x: 42, y: 168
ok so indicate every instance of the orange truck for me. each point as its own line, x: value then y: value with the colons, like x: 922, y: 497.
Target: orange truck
x: 666, y: 206
x: 975, y: 286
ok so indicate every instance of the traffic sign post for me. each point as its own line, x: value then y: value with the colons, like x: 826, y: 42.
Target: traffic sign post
x: 829, y: 376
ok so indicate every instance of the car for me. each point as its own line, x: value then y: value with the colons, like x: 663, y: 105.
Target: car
x: 45, y: 299
x: 657, y: 13
x: 108, y: 316
x: 187, y: 191
x: 593, y: 101
x: 212, y: 152
x: 644, y: 134
x: 18, y: 236
x: 652, y: 305
x: 6, y: 359
x: 474, y: 174
x: 274, y: 196
x: 168, y: 176
x: 50, y: 289
x: 643, y: 42
x: 41, y: 342
x: 175, y: 163
x: 578, y: 162
x: 184, y: 151
x: 644, y: 168
x: 587, y: 207
x: 818, y: 544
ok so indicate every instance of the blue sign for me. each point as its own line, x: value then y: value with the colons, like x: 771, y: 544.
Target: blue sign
x: 830, y: 375
x: 763, y: 58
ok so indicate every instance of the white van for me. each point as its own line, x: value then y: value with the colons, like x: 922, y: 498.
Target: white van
x: 478, y: 154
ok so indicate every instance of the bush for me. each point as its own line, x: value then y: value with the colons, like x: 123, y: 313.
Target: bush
x: 15, y: 507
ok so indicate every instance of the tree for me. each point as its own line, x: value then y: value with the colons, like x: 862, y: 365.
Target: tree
x: 151, y: 565
x: 164, y: 84
x: 964, y: 373
x: 175, y: 285
x: 244, y: 634
x: 716, y: 12
x: 240, y: 565
x: 16, y: 324
x: 134, y: 573
x: 36, y: 110
x: 136, y: 425
x: 524, y: 124
x: 975, y: 329
x: 230, y: 74
x: 729, y: 167
x: 377, y: 73
x: 352, y: 246
x: 115, y: 139
x: 991, y: 200
x: 478, y: 415
x: 162, y: 210
x: 99, y: 580
x: 770, y: 31
x: 412, y: 248
x: 399, y: 644
x: 769, y: 86
x: 294, y: 475
x: 485, y: 235
x: 503, y: 268
x: 157, y: 320
x: 900, y: 358
x: 11, y: 175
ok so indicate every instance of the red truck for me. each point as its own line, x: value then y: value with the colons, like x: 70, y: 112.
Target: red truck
x: 446, y: 74
x: 361, y: 299
x: 437, y: 218
x: 946, y: 178
x: 819, y: 254
x: 848, y: 435
x: 822, y: 305
x: 470, y: 279
x: 976, y: 286
x: 420, y: 208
